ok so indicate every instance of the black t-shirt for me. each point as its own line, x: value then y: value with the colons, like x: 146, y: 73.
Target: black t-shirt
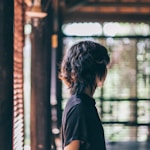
x: 81, y: 122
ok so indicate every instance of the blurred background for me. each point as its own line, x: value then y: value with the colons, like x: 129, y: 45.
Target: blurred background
x: 35, y: 34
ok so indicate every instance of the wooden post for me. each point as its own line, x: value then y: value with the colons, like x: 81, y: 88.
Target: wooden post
x: 40, y: 88
x: 6, y: 74
x: 57, y: 50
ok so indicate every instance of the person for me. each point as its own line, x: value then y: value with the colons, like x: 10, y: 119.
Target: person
x: 83, y: 68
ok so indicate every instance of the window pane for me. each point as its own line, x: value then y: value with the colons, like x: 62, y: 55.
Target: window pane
x: 143, y: 76
x: 121, y: 79
x: 143, y: 112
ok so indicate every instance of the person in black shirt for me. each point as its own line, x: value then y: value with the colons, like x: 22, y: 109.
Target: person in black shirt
x: 83, y: 69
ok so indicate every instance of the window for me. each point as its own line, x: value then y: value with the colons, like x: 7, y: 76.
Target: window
x: 124, y: 101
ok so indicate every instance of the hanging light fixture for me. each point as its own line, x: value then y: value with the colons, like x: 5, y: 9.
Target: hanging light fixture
x: 36, y: 11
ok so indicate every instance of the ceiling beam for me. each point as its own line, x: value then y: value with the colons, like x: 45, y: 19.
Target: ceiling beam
x: 100, y: 17
x: 129, y: 4
x: 74, y: 3
x: 85, y: 4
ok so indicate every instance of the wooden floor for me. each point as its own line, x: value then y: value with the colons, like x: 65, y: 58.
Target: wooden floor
x: 121, y: 145
x: 128, y: 146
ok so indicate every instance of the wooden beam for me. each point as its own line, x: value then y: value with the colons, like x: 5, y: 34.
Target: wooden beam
x: 103, y: 17
x: 120, y: 4
x: 98, y: 5
x: 75, y: 3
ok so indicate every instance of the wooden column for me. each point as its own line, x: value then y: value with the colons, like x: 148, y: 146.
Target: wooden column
x: 59, y: 59
x: 6, y: 74
x: 57, y: 24
x: 40, y: 87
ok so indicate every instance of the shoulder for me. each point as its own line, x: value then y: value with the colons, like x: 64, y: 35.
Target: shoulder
x: 74, y: 102
x: 73, y: 111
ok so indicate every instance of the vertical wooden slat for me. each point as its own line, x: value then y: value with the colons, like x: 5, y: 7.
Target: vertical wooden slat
x: 18, y: 136
x: 6, y: 74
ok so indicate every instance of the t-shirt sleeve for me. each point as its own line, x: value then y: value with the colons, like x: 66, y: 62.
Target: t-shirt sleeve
x: 76, y: 127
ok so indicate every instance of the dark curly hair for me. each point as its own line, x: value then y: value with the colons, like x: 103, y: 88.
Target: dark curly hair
x: 82, y: 63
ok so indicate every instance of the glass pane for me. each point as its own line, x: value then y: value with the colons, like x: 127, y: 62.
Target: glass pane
x: 107, y: 29
x: 118, y: 132
x: 143, y: 112
x: 117, y: 111
x: 82, y: 29
x: 122, y: 29
x: 143, y: 76
x: 121, y: 78
x: 142, y: 133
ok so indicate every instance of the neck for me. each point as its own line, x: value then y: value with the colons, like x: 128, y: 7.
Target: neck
x: 89, y: 92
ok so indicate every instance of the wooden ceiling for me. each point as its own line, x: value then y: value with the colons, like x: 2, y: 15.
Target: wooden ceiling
x: 106, y: 10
